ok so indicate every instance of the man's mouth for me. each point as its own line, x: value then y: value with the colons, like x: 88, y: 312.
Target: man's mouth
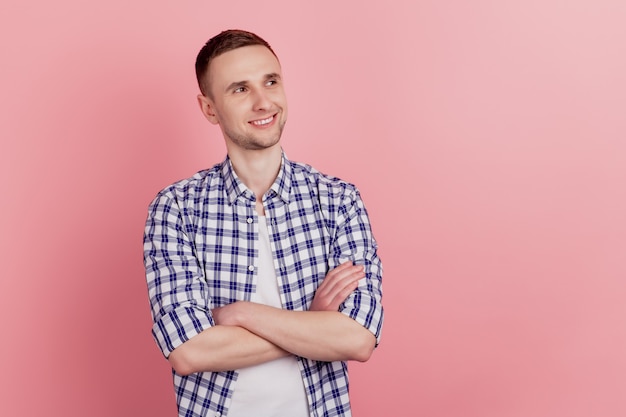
x: 263, y: 122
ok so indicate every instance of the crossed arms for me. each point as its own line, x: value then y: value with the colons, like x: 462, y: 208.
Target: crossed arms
x: 343, y: 321
x: 248, y: 334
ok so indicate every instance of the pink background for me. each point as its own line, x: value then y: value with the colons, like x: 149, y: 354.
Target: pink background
x: 488, y: 139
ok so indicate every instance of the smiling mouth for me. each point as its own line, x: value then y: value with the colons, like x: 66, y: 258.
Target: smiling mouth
x: 263, y: 122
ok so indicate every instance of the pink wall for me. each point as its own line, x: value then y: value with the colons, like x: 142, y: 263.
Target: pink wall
x: 489, y: 141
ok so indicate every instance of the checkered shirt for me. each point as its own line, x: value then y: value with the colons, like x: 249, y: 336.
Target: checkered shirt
x: 201, y: 252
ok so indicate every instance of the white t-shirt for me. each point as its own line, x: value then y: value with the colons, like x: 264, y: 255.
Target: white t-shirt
x: 271, y: 389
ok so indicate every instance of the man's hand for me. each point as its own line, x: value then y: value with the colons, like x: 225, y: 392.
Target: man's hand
x: 337, y: 286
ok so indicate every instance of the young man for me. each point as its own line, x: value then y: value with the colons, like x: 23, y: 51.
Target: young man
x: 262, y: 273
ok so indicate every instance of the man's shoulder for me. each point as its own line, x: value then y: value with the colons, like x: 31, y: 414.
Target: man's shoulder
x: 201, y: 181
x: 306, y: 175
x: 334, y: 195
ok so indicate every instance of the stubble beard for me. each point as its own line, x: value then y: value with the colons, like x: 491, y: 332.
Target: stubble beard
x: 250, y: 142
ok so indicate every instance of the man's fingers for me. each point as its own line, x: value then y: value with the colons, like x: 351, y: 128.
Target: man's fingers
x: 339, y: 278
x: 341, y: 268
x: 340, y: 285
x: 341, y: 295
x: 337, y: 286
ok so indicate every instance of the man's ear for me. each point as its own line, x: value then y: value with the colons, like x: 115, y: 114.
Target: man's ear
x: 207, y: 108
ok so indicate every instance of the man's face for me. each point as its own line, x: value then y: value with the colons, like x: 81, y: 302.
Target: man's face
x: 247, y: 98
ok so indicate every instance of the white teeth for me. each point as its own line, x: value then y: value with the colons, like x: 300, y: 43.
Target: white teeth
x: 263, y: 122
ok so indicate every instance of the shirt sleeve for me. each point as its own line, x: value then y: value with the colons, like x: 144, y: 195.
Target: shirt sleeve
x: 354, y: 241
x: 179, y: 298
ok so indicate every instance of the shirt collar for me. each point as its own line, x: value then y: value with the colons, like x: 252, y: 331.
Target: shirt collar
x: 282, y: 183
x: 235, y: 189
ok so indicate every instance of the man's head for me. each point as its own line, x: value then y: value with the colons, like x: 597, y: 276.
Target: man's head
x: 219, y: 44
x: 242, y: 91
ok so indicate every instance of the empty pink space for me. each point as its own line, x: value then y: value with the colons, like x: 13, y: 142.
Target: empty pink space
x: 488, y: 140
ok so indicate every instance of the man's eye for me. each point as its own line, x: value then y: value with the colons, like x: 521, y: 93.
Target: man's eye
x: 271, y: 82
x: 239, y: 90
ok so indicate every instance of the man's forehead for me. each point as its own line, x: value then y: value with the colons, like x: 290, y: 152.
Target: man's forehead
x: 249, y: 62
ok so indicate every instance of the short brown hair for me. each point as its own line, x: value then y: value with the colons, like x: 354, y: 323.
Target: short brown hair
x: 219, y: 44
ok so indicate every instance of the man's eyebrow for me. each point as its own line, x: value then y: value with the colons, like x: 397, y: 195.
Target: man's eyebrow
x: 236, y: 84
x: 272, y: 75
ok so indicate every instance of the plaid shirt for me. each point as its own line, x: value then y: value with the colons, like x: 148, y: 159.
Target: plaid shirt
x: 201, y: 252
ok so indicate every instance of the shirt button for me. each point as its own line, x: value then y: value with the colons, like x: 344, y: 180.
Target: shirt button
x: 251, y: 268
x: 249, y: 220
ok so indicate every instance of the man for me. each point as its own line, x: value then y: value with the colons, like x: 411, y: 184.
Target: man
x: 262, y: 273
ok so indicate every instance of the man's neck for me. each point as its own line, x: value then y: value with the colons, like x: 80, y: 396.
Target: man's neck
x: 257, y: 169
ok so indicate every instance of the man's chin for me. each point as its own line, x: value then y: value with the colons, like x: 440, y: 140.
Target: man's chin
x: 264, y: 146
x: 259, y: 144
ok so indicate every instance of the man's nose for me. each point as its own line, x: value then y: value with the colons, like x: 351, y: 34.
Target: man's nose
x: 261, y: 100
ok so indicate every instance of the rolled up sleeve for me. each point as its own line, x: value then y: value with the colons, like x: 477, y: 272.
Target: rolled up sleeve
x: 179, y: 298
x: 354, y: 241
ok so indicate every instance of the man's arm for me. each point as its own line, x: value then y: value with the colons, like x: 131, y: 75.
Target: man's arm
x: 229, y: 345
x: 318, y: 335
x: 321, y: 333
x: 223, y: 348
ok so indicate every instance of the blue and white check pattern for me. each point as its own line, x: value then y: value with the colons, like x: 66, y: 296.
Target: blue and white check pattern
x: 201, y: 252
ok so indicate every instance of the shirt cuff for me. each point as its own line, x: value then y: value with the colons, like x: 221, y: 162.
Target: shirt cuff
x: 178, y: 326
